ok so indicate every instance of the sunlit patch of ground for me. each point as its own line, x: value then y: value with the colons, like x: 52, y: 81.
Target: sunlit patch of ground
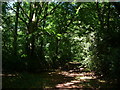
x: 32, y: 80
x: 56, y: 79
x: 74, y: 74
x: 79, y: 79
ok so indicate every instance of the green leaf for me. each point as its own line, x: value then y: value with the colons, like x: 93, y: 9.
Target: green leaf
x: 59, y: 35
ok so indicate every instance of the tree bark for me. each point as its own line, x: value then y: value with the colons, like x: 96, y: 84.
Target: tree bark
x: 15, y: 31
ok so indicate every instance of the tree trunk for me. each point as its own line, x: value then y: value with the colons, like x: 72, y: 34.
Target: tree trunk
x: 15, y: 31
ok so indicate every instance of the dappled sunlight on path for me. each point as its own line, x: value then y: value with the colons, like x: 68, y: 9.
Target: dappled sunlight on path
x: 57, y: 79
x: 80, y: 79
x: 73, y: 74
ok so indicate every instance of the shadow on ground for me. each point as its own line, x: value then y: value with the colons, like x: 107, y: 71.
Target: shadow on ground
x: 57, y: 79
x: 32, y: 80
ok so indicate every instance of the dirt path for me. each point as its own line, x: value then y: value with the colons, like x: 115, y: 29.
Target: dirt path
x: 58, y: 79
x: 81, y: 79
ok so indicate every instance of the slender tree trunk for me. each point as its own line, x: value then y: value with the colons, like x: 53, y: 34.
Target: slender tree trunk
x: 30, y: 31
x: 108, y: 24
x: 15, y: 31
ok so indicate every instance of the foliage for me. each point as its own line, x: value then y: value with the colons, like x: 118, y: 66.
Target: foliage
x: 40, y: 36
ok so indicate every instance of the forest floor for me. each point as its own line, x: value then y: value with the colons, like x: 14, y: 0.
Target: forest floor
x: 57, y: 79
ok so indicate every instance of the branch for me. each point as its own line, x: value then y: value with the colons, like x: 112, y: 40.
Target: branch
x: 39, y: 6
x: 23, y: 11
x: 20, y: 17
x: 51, y: 12
x: 31, y: 12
